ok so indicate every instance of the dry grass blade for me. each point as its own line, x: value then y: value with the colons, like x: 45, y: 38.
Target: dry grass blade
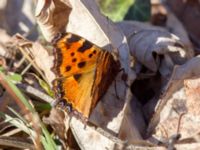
x: 15, y: 143
x: 6, y: 85
x: 27, y: 109
x: 25, y: 51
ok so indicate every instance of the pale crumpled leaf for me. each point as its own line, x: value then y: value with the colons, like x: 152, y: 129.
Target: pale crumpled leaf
x: 89, y: 138
x: 179, y: 104
x: 85, y: 20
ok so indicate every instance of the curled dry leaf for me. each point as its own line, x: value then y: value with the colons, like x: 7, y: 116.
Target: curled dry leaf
x: 177, y: 110
x: 150, y: 43
x: 52, y: 16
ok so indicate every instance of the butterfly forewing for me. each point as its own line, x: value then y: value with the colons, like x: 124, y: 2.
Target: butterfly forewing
x: 75, y: 55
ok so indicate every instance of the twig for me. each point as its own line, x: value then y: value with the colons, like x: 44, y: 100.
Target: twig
x: 35, y: 92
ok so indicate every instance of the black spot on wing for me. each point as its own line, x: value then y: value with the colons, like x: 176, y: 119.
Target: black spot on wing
x: 67, y: 45
x: 73, y: 39
x: 81, y: 64
x: 90, y: 55
x: 94, y: 52
x: 74, y: 60
x: 72, y: 54
x: 68, y: 68
x: 86, y: 45
x: 77, y: 76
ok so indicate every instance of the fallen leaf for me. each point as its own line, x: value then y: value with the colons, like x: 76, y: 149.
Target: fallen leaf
x: 175, y: 111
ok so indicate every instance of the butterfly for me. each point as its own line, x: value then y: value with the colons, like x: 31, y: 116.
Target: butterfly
x: 83, y: 72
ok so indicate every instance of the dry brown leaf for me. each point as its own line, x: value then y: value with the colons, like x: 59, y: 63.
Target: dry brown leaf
x: 43, y: 60
x: 192, y: 90
x: 52, y: 16
x: 177, y: 110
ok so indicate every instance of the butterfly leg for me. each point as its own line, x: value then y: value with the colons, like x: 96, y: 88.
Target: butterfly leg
x: 78, y: 115
x: 56, y: 38
x: 124, y: 76
x: 117, y: 96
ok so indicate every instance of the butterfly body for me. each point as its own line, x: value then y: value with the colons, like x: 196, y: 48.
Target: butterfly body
x: 83, y: 73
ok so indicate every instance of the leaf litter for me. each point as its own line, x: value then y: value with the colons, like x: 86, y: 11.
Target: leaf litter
x: 157, y: 103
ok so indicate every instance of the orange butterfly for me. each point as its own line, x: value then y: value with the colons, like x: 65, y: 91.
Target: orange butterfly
x: 83, y: 73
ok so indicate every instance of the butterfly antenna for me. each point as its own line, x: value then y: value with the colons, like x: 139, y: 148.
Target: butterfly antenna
x: 110, y: 43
